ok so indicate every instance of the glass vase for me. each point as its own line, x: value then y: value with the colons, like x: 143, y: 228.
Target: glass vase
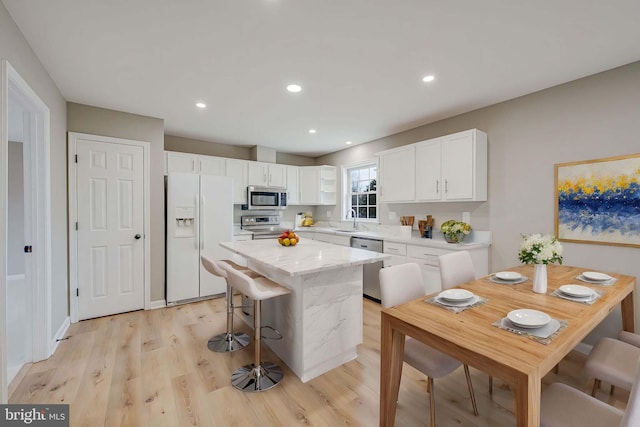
x: 540, y: 278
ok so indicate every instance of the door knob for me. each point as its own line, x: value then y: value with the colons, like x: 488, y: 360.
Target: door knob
x: 137, y: 236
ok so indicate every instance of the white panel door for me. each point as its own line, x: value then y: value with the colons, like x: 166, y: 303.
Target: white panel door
x: 110, y: 228
x: 429, y: 185
x: 457, y: 166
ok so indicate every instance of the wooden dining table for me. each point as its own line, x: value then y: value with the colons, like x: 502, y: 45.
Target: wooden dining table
x: 470, y: 337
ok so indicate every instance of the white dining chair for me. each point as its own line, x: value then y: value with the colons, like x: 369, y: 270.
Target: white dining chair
x: 629, y: 338
x: 564, y: 406
x: 402, y: 283
x: 457, y: 268
x: 612, y: 361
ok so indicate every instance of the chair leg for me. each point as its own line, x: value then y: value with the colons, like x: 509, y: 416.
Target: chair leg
x: 229, y: 341
x: 490, y: 384
x: 613, y: 388
x: 471, y: 394
x: 556, y: 369
x: 596, y: 384
x: 259, y: 376
x: 432, y: 402
x: 428, y: 385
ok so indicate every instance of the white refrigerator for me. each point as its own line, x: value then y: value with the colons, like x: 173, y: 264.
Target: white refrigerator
x: 199, y: 216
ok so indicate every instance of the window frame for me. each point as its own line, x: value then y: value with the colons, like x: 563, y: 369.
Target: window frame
x: 346, y: 190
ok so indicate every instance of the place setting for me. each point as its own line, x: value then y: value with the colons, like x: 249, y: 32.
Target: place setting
x: 577, y: 293
x: 534, y: 324
x: 507, y: 278
x: 456, y: 300
x: 596, y: 278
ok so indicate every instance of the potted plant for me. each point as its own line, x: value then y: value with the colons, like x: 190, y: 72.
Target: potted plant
x: 540, y: 250
x: 455, y: 231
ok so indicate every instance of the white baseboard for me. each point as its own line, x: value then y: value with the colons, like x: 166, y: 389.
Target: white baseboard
x: 157, y: 304
x: 62, y: 330
x: 583, y: 348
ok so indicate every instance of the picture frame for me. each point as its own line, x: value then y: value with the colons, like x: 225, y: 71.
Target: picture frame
x: 598, y: 201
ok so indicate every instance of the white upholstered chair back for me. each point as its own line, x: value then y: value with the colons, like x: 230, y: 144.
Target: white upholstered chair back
x: 456, y: 268
x: 400, y: 283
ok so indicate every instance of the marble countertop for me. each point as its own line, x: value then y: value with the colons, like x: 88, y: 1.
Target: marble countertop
x: 481, y: 240
x: 308, y: 256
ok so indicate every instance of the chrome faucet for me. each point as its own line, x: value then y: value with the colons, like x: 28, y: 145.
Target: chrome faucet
x: 353, y: 215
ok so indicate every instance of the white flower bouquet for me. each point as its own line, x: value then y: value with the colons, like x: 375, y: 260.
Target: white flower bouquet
x: 455, y: 231
x: 540, y: 249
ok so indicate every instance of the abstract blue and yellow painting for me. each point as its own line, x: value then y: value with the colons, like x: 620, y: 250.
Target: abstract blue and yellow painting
x: 598, y: 201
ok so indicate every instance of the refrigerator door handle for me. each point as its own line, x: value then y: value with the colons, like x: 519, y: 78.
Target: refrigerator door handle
x: 203, y: 231
x: 197, y: 215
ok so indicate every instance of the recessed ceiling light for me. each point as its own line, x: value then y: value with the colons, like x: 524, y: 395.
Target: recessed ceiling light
x: 294, y: 88
x: 312, y: 131
x: 428, y: 78
x: 348, y: 142
x: 201, y: 105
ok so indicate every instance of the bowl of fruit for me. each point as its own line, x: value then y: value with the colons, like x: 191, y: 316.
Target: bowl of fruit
x: 288, y: 238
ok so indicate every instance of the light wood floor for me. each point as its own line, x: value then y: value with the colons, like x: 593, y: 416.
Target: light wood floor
x: 153, y: 368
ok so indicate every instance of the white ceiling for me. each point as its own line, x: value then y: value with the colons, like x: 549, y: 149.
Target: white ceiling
x: 360, y: 62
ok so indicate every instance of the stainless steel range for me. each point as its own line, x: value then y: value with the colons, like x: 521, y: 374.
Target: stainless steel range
x: 262, y: 226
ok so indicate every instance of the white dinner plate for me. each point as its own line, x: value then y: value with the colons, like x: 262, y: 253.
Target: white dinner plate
x: 456, y: 295
x: 595, y: 276
x: 527, y: 318
x: 508, y: 275
x: 576, y: 291
x: 474, y: 299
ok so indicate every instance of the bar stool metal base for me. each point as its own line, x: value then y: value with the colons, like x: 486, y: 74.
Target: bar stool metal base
x: 227, y: 342
x: 249, y: 378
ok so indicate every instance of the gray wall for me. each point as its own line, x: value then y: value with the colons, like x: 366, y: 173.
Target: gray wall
x: 15, y: 49
x: 590, y: 118
x: 100, y: 121
x: 196, y: 146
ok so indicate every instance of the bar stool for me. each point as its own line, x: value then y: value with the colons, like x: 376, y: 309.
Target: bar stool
x: 259, y: 375
x: 227, y: 341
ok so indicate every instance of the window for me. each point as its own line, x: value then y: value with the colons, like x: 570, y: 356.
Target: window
x: 360, y: 194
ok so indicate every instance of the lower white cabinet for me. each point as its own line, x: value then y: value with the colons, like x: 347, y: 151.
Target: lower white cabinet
x: 333, y: 238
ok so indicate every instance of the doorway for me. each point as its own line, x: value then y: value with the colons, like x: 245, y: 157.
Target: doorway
x: 25, y: 259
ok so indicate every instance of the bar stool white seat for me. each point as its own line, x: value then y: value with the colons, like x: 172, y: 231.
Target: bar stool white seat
x: 258, y: 376
x: 227, y: 341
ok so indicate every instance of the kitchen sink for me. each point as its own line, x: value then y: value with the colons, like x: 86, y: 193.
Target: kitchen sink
x: 346, y: 230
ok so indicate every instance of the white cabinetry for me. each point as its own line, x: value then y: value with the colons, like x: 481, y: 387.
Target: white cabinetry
x: 427, y: 259
x: 237, y: 169
x: 267, y: 174
x: 193, y: 163
x: 336, y: 239
x: 452, y: 168
x: 398, y: 252
x: 317, y: 185
x: 398, y: 175
x: 445, y: 169
x: 293, y: 188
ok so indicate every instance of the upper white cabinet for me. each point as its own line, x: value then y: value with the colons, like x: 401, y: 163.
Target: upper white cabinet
x: 193, y: 163
x: 293, y: 188
x: 210, y: 165
x: 398, y: 174
x: 449, y: 168
x: 238, y: 170
x: 267, y: 174
x: 317, y: 185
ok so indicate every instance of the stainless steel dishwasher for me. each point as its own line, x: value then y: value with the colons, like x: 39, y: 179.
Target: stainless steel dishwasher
x: 370, y: 280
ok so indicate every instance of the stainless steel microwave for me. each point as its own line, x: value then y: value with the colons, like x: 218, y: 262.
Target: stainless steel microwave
x: 266, y: 198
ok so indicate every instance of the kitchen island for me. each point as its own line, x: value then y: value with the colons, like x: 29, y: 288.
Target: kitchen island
x: 321, y: 320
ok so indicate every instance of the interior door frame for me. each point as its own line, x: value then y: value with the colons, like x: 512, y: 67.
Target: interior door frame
x: 73, y: 215
x: 39, y: 294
